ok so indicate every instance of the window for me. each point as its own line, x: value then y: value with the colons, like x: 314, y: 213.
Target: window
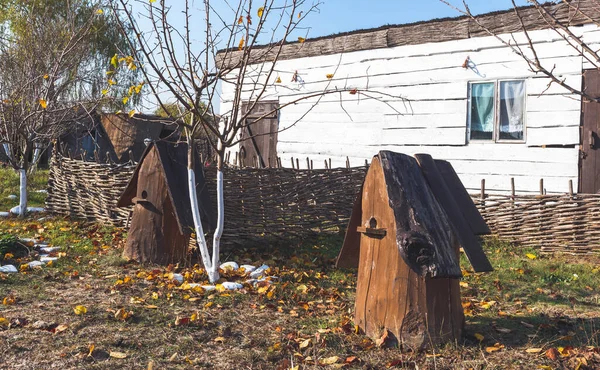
x: 497, y: 110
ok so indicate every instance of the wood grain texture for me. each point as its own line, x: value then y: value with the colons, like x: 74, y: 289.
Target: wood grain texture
x: 423, y: 232
x: 463, y: 232
x: 391, y: 295
x: 462, y: 198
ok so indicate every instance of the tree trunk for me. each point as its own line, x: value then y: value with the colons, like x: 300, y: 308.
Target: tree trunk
x: 22, y: 193
x: 212, y: 271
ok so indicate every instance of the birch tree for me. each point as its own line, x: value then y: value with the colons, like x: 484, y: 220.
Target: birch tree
x: 178, y: 44
x: 52, y: 58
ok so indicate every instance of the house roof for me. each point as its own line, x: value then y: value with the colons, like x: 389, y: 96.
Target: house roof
x: 436, y: 30
x: 174, y: 164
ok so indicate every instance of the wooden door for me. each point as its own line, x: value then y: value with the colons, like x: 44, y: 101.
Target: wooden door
x: 589, y: 164
x: 259, y: 138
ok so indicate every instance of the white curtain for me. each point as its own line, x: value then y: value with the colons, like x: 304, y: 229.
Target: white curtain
x: 512, y: 107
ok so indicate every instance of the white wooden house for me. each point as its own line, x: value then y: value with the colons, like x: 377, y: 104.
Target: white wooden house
x: 443, y: 87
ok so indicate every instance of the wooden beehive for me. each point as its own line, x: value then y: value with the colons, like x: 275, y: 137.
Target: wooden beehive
x: 406, y: 248
x: 162, y: 222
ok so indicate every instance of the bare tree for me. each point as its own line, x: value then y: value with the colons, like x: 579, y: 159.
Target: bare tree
x: 561, y: 17
x: 51, y: 74
x: 179, y: 52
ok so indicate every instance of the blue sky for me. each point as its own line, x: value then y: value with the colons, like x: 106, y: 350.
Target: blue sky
x: 337, y: 16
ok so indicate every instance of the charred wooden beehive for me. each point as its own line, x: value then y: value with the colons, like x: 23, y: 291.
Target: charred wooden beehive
x: 404, y: 235
x: 162, y: 222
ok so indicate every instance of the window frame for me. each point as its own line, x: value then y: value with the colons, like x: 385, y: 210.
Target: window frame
x: 496, y: 128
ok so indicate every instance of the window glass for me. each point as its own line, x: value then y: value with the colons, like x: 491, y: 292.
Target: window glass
x: 482, y: 111
x: 512, y: 108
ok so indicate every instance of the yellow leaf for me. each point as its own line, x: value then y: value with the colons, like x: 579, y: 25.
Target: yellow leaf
x: 118, y: 355
x: 544, y: 367
x: 151, y: 307
x: 494, y: 348
x: 92, y: 347
x: 305, y: 344
x: 138, y: 88
x: 531, y: 256
x: 278, y: 80
x: 114, y: 61
x: 464, y: 284
x: 123, y: 315
x: 8, y: 300
x: 534, y: 350
x: 46, y: 77
x: 301, y: 40
x: 99, y: 11
x: 131, y: 113
x: 105, y: 91
x: 219, y: 339
x: 260, y: 11
x: 330, y: 360
x: 125, y: 100
x: 241, y: 19
x: 299, y: 15
x: 111, y: 81
x: 43, y: 104
x: 3, y: 321
x: 329, y: 76
x: 241, y: 45
x: 8, y: 256
x: 479, y: 337
x: 302, y: 288
x: 154, y: 295
x: 152, y: 1
x: 80, y: 310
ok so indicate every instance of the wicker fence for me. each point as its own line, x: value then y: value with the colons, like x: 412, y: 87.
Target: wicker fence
x: 562, y: 222
x: 292, y: 202
x: 258, y: 202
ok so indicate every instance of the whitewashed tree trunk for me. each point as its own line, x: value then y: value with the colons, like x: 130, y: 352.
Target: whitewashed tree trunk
x: 22, y: 192
x: 220, y: 222
x: 200, y: 239
x: 8, y: 151
x: 37, y: 152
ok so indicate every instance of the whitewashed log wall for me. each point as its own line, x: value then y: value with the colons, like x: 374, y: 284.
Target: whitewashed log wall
x: 432, y: 117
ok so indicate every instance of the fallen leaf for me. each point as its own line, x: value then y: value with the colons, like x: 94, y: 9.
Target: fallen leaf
x: 329, y: 360
x: 305, y: 344
x: 531, y: 256
x: 80, y: 310
x: 503, y: 330
x: 534, y: 350
x: 219, y: 340
x: 43, y: 104
x: 351, y: 360
x: 494, y: 348
x: 479, y: 337
x: 59, y: 329
x: 118, y: 355
x: 9, y: 300
x: 552, y: 353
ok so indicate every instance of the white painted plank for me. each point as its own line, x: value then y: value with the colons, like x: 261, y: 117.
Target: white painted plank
x: 553, y: 136
x: 536, y: 120
x: 553, y: 103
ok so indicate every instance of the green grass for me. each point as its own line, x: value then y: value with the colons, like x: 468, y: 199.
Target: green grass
x: 9, y: 185
x: 543, y: 301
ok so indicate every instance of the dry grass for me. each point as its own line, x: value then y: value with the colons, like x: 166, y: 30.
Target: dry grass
x: 304, y: 319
